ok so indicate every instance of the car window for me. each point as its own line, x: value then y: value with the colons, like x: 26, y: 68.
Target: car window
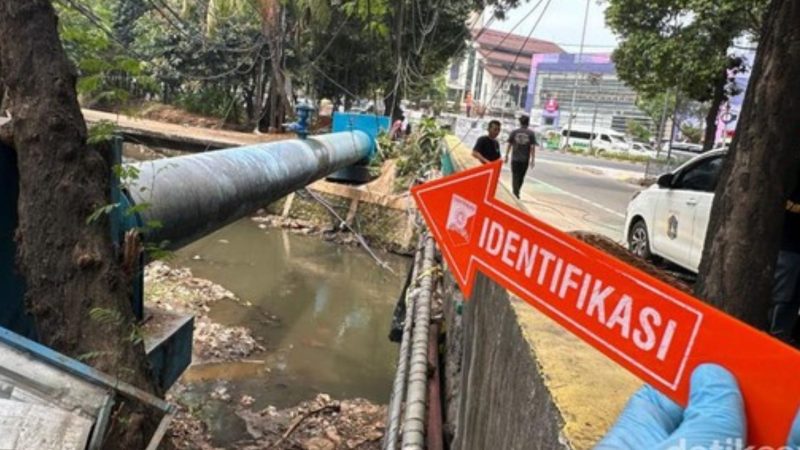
x: 577, y: 134
x: 702, y: 176
x: 604, y: 137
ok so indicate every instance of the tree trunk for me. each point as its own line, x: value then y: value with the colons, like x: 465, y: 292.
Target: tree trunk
x: 713, y: 111
x: 392, y: 106
x: 76, y: 289
x: 741, y: 247
x: 277, y: 102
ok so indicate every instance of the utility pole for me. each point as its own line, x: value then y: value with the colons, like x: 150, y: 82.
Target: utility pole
x: 674, y: 123
x: 662, y: 124
x: 577, y: 73
x: 594, y: 80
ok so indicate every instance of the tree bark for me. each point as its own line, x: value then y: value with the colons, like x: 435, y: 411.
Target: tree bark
x: 69, y: 267
x: 713, y: 111
x: 741, y: 247
x: 277, y: 101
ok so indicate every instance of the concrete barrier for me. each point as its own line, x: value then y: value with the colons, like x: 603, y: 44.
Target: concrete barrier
x: 516, y: 380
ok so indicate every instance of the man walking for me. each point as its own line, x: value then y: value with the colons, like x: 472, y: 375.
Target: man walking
x: 487, y: 149
x: 522, y: 146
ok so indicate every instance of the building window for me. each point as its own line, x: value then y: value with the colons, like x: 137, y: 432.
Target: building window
x: 479, y: 82
x: 455, y: 70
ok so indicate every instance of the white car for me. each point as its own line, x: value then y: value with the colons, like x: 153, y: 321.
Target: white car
x: 669, y: 219
x: 638, y: 148
x: 601, y: 139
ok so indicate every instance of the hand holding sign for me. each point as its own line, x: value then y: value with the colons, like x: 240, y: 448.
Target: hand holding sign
x: 713, y: 419
x: 652, y: 329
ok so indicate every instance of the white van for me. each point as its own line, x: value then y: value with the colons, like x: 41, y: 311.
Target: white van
x: 603, y: 139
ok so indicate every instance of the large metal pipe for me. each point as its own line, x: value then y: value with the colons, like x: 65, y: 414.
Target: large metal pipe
x: 191, y: 196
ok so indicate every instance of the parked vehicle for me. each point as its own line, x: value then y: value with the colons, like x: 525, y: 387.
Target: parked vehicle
x: 548, y: 137
x: 669, y: 219
x: 687, y: 147
x: 603, y: 139
x: 640, y: 148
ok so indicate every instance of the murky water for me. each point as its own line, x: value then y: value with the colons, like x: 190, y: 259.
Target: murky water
x: 333, y: 305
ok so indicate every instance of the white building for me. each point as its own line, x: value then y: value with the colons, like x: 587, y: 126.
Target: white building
x: 495, y: 71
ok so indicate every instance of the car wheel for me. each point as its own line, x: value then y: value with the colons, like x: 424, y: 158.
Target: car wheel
x: 638, y: 240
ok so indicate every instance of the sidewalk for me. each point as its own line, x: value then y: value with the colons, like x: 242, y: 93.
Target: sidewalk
x: 558, y: 209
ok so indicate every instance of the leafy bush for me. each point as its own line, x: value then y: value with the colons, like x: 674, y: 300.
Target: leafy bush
x: 209, y: 101
x: 420, y: 152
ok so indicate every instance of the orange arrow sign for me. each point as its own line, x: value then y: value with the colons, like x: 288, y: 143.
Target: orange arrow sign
x: 652, y: 329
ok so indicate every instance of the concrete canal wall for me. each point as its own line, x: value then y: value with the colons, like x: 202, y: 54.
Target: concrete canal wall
x: 383, y: 218
x: 514, y: 379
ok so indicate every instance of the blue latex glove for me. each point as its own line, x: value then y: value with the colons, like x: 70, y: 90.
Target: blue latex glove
x: 715, y: 414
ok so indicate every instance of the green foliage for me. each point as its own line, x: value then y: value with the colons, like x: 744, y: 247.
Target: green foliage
x: 215, y: 57
x: 100, y: 212
x: 420, y: 153
x: 107, y: 316
x: 679, y: 44
x: 432, y: 95
x: 102, y: 131
x: 207, y: 101
x: 107, y: 72
x: 692, y: 133
x: 638, y: 131
x: 387, y: 148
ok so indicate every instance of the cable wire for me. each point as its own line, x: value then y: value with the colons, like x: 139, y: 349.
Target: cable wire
x: 516, y: 58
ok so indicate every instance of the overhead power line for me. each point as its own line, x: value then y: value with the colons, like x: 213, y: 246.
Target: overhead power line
x: 519, y: 53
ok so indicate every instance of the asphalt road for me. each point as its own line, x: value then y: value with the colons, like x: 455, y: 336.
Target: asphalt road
x: 562, y: 190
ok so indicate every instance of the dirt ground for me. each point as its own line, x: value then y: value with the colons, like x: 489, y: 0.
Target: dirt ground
x: 173, y: 114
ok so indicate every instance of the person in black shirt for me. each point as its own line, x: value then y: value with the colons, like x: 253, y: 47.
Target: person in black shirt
x: 523, y: 143
x: 786, y: 288
x: 487, y: 149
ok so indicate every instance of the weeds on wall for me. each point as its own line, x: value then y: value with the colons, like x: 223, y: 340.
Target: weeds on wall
x: 416, y: 154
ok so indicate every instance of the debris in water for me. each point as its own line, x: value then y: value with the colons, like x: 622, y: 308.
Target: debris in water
x: 178, y: 290
x: 321, y: 424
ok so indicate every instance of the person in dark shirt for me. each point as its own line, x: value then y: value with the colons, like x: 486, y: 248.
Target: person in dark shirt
x: 786, y: 288
x: 487, y: 149
x: 522, y: 146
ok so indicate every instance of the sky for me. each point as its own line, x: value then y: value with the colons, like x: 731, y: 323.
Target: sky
x: 562, y: 24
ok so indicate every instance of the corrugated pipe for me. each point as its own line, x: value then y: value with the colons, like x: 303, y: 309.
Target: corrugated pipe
x: 399, y: 385
x: 416, y: 396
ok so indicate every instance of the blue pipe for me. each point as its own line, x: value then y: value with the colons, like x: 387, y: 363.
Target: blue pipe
x: 191, y: 196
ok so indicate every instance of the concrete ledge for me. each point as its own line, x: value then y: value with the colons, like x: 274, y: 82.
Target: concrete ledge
x: 516, y: 380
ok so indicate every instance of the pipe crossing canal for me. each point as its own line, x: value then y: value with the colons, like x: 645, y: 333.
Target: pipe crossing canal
x: 321, y: 312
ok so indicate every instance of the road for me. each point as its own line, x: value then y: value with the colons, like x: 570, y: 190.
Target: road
x: 559, y: 192
x: 563, y: 190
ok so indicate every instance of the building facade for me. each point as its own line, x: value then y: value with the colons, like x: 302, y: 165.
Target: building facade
x: 495, y: 71
x: 600, y: 97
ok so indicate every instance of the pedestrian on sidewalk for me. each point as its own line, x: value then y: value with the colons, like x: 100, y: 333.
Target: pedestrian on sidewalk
x: 487, y: 149
x: 522, y: 147
x: 786, y: 288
